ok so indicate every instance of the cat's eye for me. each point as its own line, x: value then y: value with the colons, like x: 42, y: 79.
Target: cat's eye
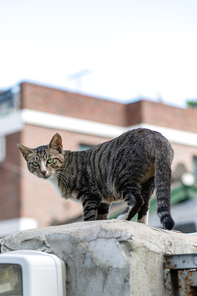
x: 50, y: 160
x: 35, y: 163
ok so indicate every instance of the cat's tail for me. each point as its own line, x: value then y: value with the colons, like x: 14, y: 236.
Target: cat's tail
x: 163, y: 184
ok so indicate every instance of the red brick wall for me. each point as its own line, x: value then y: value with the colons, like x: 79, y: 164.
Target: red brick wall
x: 134, y: 113
x: 162, y: 115
x: 60, y: 102
x: 10, y: 176
x: 65, y: 103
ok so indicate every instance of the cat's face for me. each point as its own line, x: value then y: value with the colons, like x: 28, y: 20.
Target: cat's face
x: 44, y: 161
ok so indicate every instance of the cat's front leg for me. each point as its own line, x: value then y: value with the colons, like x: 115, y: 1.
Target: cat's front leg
x: 103, y: 211
x: 90, y: 208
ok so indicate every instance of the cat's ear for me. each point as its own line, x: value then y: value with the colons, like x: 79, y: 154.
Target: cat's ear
x: 56, y: 143
x: 24, y: 150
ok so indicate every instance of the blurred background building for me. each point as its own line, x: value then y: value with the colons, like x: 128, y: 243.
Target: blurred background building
x: 33, y: 113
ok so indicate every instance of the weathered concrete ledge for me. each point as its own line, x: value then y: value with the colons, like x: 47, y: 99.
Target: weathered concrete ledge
x: 107, y: 257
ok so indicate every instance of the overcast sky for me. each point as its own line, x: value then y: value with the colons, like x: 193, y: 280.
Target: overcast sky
x: 131, y: 48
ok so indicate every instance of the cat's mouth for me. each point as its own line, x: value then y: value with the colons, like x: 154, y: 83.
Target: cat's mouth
x: 45, y: 177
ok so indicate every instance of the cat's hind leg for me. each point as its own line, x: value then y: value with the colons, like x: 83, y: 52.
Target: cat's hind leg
x: 143, y: 214
x: 147, y: 191
x: 135, y: 203
x: 103, y: 211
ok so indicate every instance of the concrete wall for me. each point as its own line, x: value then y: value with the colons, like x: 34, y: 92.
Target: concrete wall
x: 107, y: 257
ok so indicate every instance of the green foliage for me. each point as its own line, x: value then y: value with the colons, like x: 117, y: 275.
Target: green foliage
x: 192, y: 103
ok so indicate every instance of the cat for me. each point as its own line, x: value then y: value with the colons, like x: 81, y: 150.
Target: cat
x: 127, y: 168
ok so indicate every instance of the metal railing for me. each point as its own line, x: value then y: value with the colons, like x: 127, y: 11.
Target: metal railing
x: 180, y: 275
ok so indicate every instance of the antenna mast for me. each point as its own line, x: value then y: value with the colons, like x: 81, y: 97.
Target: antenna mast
x: 78, y: 78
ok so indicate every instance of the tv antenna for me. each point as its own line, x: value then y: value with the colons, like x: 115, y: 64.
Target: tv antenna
x: 78, y: 78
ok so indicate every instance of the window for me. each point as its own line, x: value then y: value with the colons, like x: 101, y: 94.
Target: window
x: 2, y: 149
x: 9, y: 101
x: 195, y: 167
x: 83, y: 147
x: 11, y: 280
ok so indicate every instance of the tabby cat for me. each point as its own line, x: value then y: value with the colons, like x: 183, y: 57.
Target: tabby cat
x: 127, y: 168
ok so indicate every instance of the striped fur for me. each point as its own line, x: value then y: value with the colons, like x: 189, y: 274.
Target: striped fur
x: 127, y: 168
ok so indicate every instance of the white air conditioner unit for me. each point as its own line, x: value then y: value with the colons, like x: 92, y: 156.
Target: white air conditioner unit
x: 32, y: 273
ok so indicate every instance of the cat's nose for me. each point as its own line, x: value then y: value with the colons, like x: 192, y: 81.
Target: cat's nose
x: 43, y: 172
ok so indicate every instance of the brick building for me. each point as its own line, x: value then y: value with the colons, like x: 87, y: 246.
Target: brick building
x: 35, y: 113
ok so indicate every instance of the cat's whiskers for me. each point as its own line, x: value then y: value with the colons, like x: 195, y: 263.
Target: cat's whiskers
x: 61, y: 177
x: 65, y: 173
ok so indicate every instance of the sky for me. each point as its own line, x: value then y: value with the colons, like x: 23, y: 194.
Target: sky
x: 126, y: 49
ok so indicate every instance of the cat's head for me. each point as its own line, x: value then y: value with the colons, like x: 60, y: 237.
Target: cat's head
x: 44, y: 161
